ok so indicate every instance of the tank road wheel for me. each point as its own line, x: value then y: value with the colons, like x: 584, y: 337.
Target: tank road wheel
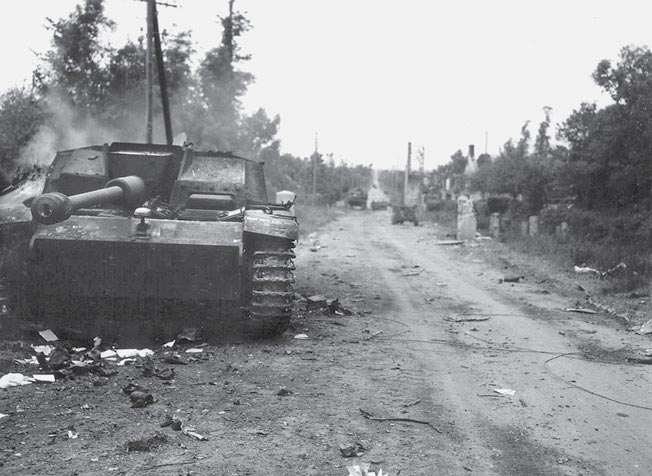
x: 268, y: 283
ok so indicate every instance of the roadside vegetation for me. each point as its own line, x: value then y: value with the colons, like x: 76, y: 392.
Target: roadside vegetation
x: 596, y: 178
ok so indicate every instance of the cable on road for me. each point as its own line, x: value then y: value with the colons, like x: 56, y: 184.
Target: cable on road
x: 586, y: 390
x: 501, y: 348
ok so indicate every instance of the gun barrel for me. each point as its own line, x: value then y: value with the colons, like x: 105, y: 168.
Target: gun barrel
x: 55, y: 207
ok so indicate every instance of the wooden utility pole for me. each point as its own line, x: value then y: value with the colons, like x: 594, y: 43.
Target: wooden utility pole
x: 315, y: 155
x: 154, y: 48
x: 421, y: 157
x: 406, y: 179
x: 151, y: 5
x: 161, y: 78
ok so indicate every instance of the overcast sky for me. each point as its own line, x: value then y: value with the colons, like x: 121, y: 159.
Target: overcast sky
x: 370, y: 75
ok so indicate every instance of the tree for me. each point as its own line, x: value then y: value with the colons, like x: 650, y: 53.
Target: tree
x: 77, y: 63
x: 608, y: 162
x: 458, y: 162
x: 223, y: 84
x: 542, y: 142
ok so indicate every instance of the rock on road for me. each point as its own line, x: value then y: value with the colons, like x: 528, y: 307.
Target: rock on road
x: 459, y: 336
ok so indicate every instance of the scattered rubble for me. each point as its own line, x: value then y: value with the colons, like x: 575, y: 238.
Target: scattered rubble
x: 646, y: 328
x: 316, y: 301
x: 598, y: 273
x: 467, y: 318
x: 351, y: 450
x: 363, y: 470
x: 581, y: 310
x: 370, y: 416
x: 14, y: 380
x: 48, y: 335
x: 192, y: 433
x: 284, y: 392
x: 173, y: 358
x: 334, y: 308
x: 140, y: 399
x: 504, y: 391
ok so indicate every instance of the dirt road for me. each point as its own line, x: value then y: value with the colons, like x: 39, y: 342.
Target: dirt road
x: 454, y: 360
x: 409, y: 382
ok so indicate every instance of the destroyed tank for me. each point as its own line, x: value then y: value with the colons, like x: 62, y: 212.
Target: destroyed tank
x: 131, y: 241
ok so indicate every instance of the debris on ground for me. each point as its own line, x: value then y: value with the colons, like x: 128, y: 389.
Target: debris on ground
x: 467, y: 318
x: 284, y: 392
x: 43, y: 349
x: 128, y: 353
x: 586, y: 270
x: 646, y: 328
x: 334, y: 308
x: 43, y: 378
x: 149, y: 370
x: 351, y: 450
x: 505, y: 391
x: 59, y: 358
x: 147, y: 444
x: 48, y: 335
x: 172, y: 358
x: 15, y: 380
x: 133, y: 387
x: 192, y: 433
x: 140, y: 399
x: 449, y: 242
x: 512, y: 279
x: 411, y: 273
x: 581, y: 310
x: 370, y: 416
x: 173, y: 422
x: 316, y: 301
x: 640, y: 360
x: 411, y: 404
x: 363, y: 470
x: 600, y: 274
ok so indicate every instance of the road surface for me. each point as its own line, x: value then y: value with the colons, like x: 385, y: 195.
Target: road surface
x: 460, y: 336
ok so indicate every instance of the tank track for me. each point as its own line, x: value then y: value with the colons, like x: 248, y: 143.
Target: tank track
x: 270, y: 306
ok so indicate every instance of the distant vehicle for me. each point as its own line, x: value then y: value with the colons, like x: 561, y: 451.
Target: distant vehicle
x: 379, y: 205
x: 403, y: 214
x: 408, y: 209
x: 357, y: 198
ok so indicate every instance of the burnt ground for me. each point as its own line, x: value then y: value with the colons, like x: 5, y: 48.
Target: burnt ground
x: 407, y: 383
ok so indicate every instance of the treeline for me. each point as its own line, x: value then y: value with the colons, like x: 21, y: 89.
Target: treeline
x: 603, y: 158
x: 86, y: 91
